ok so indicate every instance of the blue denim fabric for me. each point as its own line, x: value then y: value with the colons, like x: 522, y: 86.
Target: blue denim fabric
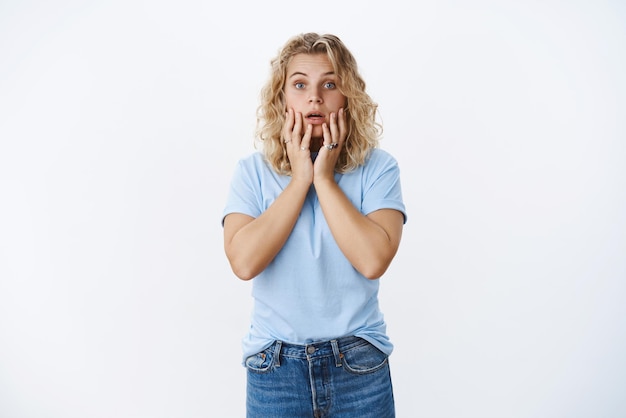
x: 343, y: 378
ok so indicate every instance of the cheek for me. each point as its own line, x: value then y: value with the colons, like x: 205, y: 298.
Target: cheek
x: 290, y: 101
x: 339, y: 101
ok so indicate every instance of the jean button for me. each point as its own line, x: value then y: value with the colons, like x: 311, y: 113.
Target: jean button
x: 310, y: 349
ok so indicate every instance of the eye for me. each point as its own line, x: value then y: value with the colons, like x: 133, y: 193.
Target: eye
x: 329, y: 85
x: 299, y: 86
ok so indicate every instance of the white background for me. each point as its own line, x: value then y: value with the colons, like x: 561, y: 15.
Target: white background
x: 121, y: 123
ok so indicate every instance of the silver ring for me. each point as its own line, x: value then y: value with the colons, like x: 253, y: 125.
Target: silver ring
x: 332, y: 146
x: 303, y: 148
x: 287, y: 141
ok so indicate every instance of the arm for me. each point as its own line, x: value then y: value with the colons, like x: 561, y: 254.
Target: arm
x: 252, y: 243
x: 368, y: 242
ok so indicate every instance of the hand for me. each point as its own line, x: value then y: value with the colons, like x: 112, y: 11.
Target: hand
x: 334, y: 138
x: 297, y: 145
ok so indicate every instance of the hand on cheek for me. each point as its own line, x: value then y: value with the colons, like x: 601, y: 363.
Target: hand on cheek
x: 297, y: 138
x: 334, y: 138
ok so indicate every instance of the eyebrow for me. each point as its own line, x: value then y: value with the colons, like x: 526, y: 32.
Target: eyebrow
x: 306, y: 75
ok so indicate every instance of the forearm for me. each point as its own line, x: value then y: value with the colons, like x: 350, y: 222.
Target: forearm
x: 368, y: 245
x: 252, y: 245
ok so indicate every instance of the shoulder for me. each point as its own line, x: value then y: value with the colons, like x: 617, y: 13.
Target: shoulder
x: 254, y: 169
x: 380, y: 154
x: 379, y: 159
x: 255, y: 161
x: 253, y: 158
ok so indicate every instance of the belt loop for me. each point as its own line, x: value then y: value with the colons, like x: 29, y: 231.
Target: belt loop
x: 277, y: 348
x: 336, y: 352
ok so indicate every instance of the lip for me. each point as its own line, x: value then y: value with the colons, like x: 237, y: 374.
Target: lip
x: 316, y: 118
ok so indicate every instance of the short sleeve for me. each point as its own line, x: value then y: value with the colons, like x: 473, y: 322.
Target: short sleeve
x: 244, y: 191
x: 382, y: 187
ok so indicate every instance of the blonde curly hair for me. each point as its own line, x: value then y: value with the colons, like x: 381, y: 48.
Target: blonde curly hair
x: 364, y: 131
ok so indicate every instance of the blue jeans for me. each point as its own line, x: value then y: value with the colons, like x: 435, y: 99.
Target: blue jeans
x: 343, y: 378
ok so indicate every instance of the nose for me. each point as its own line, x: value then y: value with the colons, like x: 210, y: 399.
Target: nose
x: 315, y: 97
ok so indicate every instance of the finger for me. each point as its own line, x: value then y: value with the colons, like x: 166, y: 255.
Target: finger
x: 342, y: 126
x: 327, y: 135
x: 297, y: 127
x: 334, y: 129
x: 288, y: 126
x: 305, y: 144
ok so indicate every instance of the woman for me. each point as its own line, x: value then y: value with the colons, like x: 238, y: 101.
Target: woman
x: 316, y: 219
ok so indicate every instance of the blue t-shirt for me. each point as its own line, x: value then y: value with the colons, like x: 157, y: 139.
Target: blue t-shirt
x: 310, y: 292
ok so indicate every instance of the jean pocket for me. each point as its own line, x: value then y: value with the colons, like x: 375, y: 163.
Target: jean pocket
x: 363, y: 359
x: 261, y: 362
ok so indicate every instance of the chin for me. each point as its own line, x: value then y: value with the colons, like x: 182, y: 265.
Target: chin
x: 318, y: 132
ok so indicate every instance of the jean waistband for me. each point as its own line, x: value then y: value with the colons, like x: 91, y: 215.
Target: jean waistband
x: 318, y: 349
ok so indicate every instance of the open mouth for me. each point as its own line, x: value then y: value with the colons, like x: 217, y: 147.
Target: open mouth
x: 315, y: 118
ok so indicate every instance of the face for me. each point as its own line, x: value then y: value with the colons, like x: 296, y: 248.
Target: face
x: 312, y: 88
